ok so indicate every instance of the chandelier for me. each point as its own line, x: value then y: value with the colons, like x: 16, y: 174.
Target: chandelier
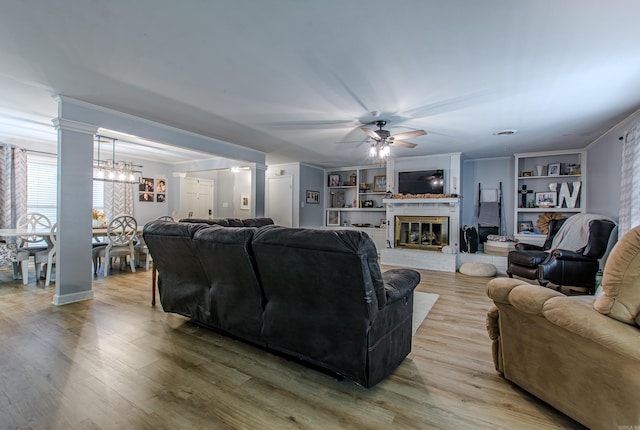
x: 379, y: 149
x: 111, y: 171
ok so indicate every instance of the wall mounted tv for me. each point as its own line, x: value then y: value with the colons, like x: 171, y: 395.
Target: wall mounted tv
x: 421, y: 182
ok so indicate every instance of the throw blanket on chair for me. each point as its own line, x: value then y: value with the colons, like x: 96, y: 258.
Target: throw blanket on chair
x: 574, y: 233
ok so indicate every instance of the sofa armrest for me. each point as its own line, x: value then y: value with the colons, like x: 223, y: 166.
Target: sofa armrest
x: 520, y: 294
x: 564, y: 254
x: 399, y: 282
x: 520, y: 246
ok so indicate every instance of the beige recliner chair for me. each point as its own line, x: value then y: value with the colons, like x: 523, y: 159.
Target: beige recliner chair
x: 580, y: 354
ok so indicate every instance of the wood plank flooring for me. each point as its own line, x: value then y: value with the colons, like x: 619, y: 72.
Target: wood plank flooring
x: 115, y: 362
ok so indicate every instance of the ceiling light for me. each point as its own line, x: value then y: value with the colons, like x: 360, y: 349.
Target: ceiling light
x: 110, y: 171
x: 379, y: 149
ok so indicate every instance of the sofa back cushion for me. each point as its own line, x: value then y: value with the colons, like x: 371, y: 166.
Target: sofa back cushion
x: 257, y: 222
x: 322, y: 289
x: 181, y: 277
x: 234, y: 297
x: 619, y: 295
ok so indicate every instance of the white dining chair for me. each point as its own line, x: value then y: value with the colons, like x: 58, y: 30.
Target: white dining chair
x: 141, y: 247
x: 121, y: 233
x: 30, y: 244
x: 31, y: 223
x: 47, y: 256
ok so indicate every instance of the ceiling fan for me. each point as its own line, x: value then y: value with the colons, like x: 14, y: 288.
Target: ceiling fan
x: 386, y: 138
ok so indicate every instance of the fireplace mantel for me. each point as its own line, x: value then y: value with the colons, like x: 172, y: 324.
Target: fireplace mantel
x: 444, y: 200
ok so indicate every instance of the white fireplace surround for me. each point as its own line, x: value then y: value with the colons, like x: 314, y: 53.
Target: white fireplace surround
x: 423, y: 259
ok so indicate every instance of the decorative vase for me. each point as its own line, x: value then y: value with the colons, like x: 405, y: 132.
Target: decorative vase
x: 539, y: 170
x: 97, y: 223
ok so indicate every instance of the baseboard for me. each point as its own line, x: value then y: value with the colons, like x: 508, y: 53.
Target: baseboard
x: 65, y: 299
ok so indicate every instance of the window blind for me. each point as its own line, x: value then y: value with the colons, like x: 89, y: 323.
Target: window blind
x: 42, y: 185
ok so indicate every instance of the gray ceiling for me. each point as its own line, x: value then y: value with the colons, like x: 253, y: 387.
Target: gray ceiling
x: 296, y: 79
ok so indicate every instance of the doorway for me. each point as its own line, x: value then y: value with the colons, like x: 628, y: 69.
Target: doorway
x: 198, y: 197
x: 280, y: 200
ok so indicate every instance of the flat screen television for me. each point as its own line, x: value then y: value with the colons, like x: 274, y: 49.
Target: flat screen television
x: 421, y: 182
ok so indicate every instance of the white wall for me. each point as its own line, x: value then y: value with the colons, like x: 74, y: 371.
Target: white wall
x: 227, y: 188
x: 312, y: 179
x: 488, y: 173
x: 604, y: 157
x: 148, y: 211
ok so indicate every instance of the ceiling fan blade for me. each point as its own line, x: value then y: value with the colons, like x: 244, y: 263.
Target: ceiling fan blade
x: 409, y: 134
x: 372, y: 134
x: 402, y: 144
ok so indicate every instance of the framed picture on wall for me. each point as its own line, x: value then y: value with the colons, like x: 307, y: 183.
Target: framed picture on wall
x: 244, y: 202
x: 161, y: 185
x: 333, y: 218
x: 313, y: 197
x: 146, y: 185
x: 145, y: 197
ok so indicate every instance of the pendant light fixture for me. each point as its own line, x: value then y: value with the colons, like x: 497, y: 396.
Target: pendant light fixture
x: 111, y: 171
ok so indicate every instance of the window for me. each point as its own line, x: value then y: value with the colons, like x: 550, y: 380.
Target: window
x: 42, y: 185
x: 98, y: 196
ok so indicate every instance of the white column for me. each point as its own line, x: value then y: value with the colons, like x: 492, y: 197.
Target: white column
x: 75, y: 189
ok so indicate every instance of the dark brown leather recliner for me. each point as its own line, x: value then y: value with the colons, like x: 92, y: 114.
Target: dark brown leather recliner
x: 561, y: 266
x: 525, y: 259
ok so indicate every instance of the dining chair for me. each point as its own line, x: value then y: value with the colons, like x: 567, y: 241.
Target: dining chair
x: 121, y: 233
x: 30, y: 223
x: 47, y: 256
x: 141, y: 247
x: 30, y: 244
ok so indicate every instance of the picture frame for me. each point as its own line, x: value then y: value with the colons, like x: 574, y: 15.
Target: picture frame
x: 526, y: 173
x: 245, y: 204
x: 383, y: 223
x: 554, y: 169
x: 161, y: 198
x: 161, y: 185
x: 547, y: 199
x: 333, y: 218
x: 313, y: 197
x: 145, y: 197
x: 525, y: 226
x: 380, y: 183
x: 334, y: 180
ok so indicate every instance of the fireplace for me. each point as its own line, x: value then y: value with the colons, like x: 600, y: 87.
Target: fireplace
x: 422, y: 232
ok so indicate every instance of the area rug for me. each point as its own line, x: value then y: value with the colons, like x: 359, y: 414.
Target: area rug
x: 422, y: 304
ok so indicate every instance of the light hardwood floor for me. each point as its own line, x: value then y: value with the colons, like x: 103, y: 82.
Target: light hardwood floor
x: 115, y: 362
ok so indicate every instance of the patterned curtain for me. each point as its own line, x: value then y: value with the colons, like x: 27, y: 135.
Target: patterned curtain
x: 118, y: 200
x: 630, y: 184
x: 13, y: 185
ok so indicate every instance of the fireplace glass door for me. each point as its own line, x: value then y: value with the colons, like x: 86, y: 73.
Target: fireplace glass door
x: 422, y: 232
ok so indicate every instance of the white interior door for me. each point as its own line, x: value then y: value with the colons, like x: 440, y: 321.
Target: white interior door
x: 198, y: 197
x: 205, y: 198
x: 280, y: 200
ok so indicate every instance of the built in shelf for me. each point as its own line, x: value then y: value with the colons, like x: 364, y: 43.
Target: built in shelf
x: 357, y: 209
x: 534, y: 210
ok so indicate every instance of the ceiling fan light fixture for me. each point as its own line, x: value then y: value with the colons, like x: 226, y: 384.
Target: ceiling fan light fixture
x: 373, y: 151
